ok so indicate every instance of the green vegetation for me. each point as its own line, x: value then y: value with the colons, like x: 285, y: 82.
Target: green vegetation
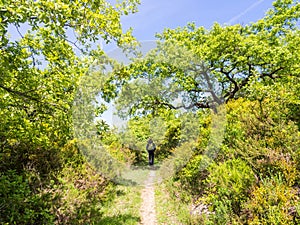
x: 44, y: 177
x: 124, y: 208
x: 221, y: 104
x: 170, y: 209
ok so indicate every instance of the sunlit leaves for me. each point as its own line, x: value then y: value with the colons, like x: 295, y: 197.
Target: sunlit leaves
x: 45, y: 47
x: 233, y: 55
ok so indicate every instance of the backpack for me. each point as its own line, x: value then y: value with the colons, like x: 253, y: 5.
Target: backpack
x: 151, y: 147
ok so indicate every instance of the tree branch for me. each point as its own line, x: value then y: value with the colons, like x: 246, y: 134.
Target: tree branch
x: 192, y: 105
x: 26, y: 96
x: 21, y: 94
x: 271, y: 75
x: 32, y: 54
x: 210, y: 88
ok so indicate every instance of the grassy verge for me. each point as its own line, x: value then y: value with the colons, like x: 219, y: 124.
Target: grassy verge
x: 124, y: 208
x: 170, y: 209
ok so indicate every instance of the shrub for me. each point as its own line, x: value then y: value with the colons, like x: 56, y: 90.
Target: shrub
x: 272, y: 202
x: 194, y: 173
x: 263, y: 138
x: 228, y: 186
x: 19, y: 204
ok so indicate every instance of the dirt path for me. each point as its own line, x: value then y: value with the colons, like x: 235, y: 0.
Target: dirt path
x: 148, y: 201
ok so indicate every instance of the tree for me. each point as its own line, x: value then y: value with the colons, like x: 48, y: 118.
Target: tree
x: 46, y: 47
x: 40, y: 69
x: 208, y: 67
x: 41, y: 66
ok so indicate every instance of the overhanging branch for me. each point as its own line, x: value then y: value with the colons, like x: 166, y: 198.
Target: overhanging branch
x: 29, y: 97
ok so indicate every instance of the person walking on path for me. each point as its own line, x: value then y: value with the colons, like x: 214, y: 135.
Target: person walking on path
x: 151, y: 147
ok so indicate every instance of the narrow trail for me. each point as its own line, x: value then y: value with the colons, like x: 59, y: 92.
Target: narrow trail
x: 147, y: 210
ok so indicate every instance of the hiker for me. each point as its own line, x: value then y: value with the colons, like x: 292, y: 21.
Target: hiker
x: 151, y: 149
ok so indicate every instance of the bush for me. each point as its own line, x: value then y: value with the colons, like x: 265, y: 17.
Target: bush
x: 79, y: 191
x: 19, y: 204
x: 72, y: 195
x: 263, y: 138
x: 228, y: 187
x: 273, y: 202
x: 194, y: 173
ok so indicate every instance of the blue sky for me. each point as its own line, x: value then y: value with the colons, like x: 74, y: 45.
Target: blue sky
x: 155, y: 15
